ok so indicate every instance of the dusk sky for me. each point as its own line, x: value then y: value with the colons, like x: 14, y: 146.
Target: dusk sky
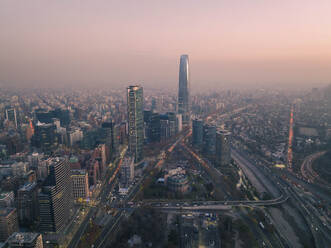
x: 230, y: 43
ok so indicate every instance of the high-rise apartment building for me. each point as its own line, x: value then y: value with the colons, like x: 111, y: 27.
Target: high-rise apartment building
x: 55, y: 199
x: 135, y: 107
x: 183, y: 89
x: 223, y: 147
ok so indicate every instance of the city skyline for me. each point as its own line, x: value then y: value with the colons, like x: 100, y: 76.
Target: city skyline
x: 76, y: 44
x: 165, y: 123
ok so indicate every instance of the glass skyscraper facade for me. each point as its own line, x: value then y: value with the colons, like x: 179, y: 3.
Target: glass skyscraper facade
x: 183, y: 89
x: 55, y: 198
x: 135, y: 105
x: 197, y: 133
x: 223, y: 147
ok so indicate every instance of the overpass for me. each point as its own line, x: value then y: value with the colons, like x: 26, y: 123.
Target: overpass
x: 211, y: 205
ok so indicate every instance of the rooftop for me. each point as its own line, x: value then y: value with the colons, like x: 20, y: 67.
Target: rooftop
x: 28, y: 186
x: 22, y: 237
x: 78, y: 172
x: 6, y: 211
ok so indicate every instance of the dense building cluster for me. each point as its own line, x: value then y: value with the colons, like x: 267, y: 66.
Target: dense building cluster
x: 212, y: 141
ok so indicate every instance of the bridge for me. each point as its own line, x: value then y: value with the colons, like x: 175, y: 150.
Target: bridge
x: 210, y: 205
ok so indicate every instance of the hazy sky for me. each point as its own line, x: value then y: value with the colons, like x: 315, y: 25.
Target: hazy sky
x: 230, y: 42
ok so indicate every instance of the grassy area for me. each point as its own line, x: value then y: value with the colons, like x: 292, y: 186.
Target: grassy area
x: 322, y: 166
x: 245, y: 234
x: 92, y: 233
x: 146, y: 223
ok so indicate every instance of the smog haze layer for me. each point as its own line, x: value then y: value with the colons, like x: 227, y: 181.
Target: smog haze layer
x: 110, y: 43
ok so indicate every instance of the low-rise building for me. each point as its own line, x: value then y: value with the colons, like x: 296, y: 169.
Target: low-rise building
x: 25, y: 240
x: 80, y: 185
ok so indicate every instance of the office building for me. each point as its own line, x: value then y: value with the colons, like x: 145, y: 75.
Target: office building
x: 209, y: 139
x: 179, y: 123
x: 164, y: 128
x: 11, y: 116
x: 135, y: 106
x: 155, y: 126
x: 223, y: 147
x: 183, y: 107
x: 25, y: 240
x: 46, y: 116
x: 178, y: 183
x: 80, y: 186
x: 45, y: 137
x: 126, y: 172
x: 111, y: 136
x: 147, y: 125
x: 27, y: 204
x: 8, y: 222
x: 93, y: 169
x: 123, y: 133
x: 55, y: 199
x: 172, y: 123
x: 74, y: 136
x: 197, y: 133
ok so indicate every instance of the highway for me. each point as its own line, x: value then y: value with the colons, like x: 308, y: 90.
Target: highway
x: 313, y: 219
x: 256, y: 175
x: 213, y: 206
x: 308, y: 172
x: 290, y: 141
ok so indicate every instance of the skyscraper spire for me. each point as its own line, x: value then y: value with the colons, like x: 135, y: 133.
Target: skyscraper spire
x: 183, y: 89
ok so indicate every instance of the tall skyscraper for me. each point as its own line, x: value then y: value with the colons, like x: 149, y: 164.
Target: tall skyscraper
x: 55, y: 199
x: 223, y: 147
x: 135, y: 106
x: 183, y: 90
